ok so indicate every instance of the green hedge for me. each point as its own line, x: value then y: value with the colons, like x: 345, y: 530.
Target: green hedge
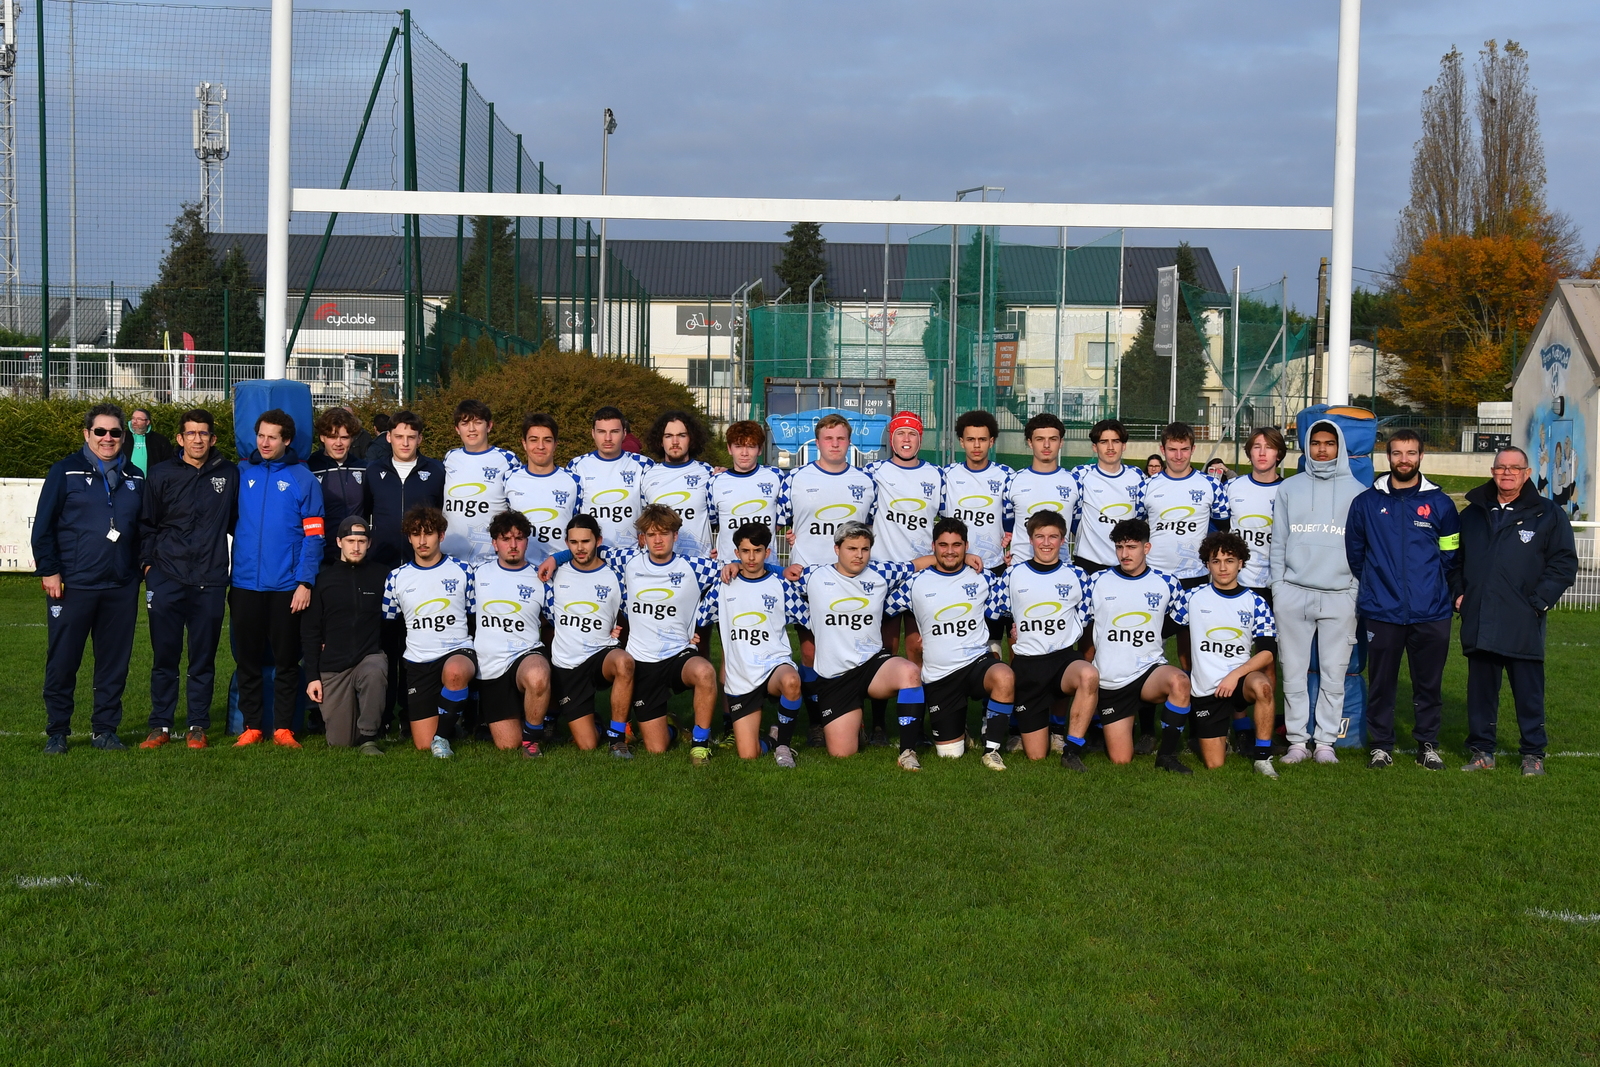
x: 36, y: 433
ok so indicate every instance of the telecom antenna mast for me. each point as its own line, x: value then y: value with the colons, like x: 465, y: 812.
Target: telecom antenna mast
x: 210, y: 148
x: 10, y: 264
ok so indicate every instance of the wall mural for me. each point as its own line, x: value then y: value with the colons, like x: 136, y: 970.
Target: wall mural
x: 1556, y: 433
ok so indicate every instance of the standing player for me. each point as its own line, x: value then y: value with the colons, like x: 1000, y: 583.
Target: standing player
x: 1130, y: 603
x: 585, y: 598
x: 434, y: 596
x: 820, y: 499
x: 753, y: 611
x: 548, y: 495
x: 951, y: 601
x: 474, y: 484
x: 975, y: 493
x: 746, y: 492
x: 681, y: 480
x: 1250, y: 516
x: 1233, y: 640
x: 611, y: 479
x: 1049, y: 599
x: 514, y: 674
x: 1043, y: 485
x: 1108, y: 492
x: 843, y: 606
x: 908, y: 496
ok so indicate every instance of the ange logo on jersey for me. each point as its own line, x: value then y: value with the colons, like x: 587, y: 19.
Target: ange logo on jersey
x: 510, y: 604
x: 819, y: 502
x: 735, y: 499
x: 1223, y: 629
x: 1128, y: 616
x: 1031, y: 491
x: 977, y: 498
x: 434, y: 604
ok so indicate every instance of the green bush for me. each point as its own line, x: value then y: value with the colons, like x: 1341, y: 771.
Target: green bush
x: 36, y: 433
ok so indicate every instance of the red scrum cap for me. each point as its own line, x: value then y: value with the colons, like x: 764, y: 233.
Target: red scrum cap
x: 905, y: 420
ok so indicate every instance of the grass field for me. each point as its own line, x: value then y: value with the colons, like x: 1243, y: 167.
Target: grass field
x: 314, y: 907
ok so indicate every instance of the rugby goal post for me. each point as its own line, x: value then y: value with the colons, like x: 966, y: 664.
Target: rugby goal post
x: 1339, y: 218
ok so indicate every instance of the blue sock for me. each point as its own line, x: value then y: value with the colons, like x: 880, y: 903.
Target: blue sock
x: 787, y: 711
x: 617, y: 731
x: 1263, y: 747
x: 1172, y: 720
x: 1058, y: 724
x: 997, y: 718
x: 788, y: 705
x: 1077, y: 742
x: 533, y: 733
x: 701, y: 735
x: 910, y: 715
x: 450, y: 710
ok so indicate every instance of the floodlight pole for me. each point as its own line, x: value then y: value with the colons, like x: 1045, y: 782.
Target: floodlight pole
x: 883, y: 360
x: 1344, y: 202
x: 608, y: 125
x: 276, y: 361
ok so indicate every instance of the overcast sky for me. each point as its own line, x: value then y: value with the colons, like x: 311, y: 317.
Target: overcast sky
x: 1161, y: 101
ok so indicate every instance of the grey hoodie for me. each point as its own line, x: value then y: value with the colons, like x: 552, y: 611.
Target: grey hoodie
x: 1308, y: 522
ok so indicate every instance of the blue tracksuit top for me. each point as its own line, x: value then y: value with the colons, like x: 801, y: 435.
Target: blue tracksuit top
x: 1402, y: 546
x: 277, y: 542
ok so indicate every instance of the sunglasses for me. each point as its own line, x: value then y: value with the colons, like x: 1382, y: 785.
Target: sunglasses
x: 113, y: 432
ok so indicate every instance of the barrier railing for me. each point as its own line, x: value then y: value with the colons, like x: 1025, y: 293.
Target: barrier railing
x: 183, y: 377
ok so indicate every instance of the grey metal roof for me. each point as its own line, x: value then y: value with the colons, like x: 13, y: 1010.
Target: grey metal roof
x: 694, y: 270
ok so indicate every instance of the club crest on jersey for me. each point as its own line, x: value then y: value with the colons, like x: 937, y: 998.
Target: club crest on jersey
x: 765, y: 487
x: 692, y: 481
x: 927, y: 489
x: 602, y: 591
x: 1063, y: 591
x: 561, y: 496
x: 525, y: 592
x: 676, y: 578
x: 970, y: 590
x: 1153, y: 599
x: 1526, y: 535
x: 424, y: 475
x: 1064, y: 492
x: 1244, y: 618
x: 1197, y: 495
x: 867, y: 587
x: 490, y: 472
x: 769, y: 602
x: 994, y: 486
x: 282, y: 486
x: 627, y: 479
x: 219, y: 484
x: 858, y: 491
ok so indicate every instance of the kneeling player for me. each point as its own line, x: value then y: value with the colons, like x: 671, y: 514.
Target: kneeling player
x: 951, y: 603
x: 585, y: 596
x: 1130, y: 603
x: 433, y: 596
x: 514, y: 687
x: 1049, y: 599
x: 1232, y: 640
x: 753, y: 612
x: 842, y: 604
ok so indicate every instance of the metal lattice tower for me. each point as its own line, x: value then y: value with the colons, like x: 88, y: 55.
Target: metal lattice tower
x: 10, y: 263
x: 210, y: 148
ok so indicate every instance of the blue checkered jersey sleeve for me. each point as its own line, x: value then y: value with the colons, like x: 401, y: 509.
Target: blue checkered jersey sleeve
x: 1084, y: 614
x: 795, y: 601
x: 470, y: 588
x: 709, y: 574
x: 391, y: 606
x: 1138, y: 500
x: 1219, y: 502
x: 1008, y: 510
x: 513, y: 464
x: 898, y: 576
x: 1175, y: 595
x: 1180, y: 608
x: 1262, y: 624
x: 619, y: 556
x: 999, y: 605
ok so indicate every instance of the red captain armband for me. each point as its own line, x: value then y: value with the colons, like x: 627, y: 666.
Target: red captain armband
x: 312, y: 525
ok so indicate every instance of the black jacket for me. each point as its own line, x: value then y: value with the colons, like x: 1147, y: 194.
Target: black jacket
x: 157, y: 448
x: 1514, y: 564
x: 79, y: 504
x: 340, y: 628
x: 388, y: 501
x: 187, y: 516
x: 344, y: 493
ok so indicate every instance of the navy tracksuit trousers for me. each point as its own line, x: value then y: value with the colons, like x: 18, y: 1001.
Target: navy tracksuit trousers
x: 110, y: 617
x: 174, y: 609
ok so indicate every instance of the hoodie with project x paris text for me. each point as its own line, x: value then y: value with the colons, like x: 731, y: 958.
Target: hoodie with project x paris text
x: 1308, y: 522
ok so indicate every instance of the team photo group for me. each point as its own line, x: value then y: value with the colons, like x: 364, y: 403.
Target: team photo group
x: 1014, y: 611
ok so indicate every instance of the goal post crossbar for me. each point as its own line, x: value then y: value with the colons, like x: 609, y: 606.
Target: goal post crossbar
x: 763, y: 209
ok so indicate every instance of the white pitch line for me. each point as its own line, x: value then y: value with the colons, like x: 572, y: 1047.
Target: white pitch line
x: 24, y: 881
x: 1564, y: 916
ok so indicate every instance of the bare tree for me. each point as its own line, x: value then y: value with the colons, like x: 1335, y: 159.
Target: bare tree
x: 1511, y: 193
x: 1444, y: 170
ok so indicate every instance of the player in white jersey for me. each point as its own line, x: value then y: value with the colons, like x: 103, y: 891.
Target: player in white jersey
x: 611, y: 478
x: 680, y: 479
x: 908, y: 497
x: 669, y: 597
x: 1250, y: 507
x: 753, y: 612
x: 548, y: 495
x: 746, y: 492
x: 975, y: 493
x: 1233, y: 638
x: 951, y: 601
x: 433, y: 596
x: 843, y: 606
x: 513, y: 673
x: 819, y: 499
x: 586, y: 596
x: 474, y: 484
x: 1130, y: 604
x: 1108, y: 492
x: 1043, y: 485
x: 1180, y: 504
x: 1049, y: 600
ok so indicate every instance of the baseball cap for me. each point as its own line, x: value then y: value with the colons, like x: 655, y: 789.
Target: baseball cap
x: 353, y: 524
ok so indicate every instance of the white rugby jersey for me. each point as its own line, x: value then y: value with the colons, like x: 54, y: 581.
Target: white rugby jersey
x: 583, y: 607
x: 818, y: 503
x: 1029, y: 491
x: 684, y: 488
x: 434, y: 603
x: 1128, y: 614
x: 1050, y: 606
x: 845, y: 615
x: 737, y: 498
x: 474, y: 493
x: 611, y: 493
x: 907, y: 502
x: 1103, y: 501
x: 1250, y: 512
x: 549, y: 501
x: 1222, y: 629
x: 510, y: 603
x: 950, y: 609
x: 1180, y: 511
x: 753, y: 616
x: 978, y: 498
x: 666, y: 601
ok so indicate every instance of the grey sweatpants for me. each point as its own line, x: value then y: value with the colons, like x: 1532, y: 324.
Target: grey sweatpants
x: 1329, y: 619
x: 352, y: 701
